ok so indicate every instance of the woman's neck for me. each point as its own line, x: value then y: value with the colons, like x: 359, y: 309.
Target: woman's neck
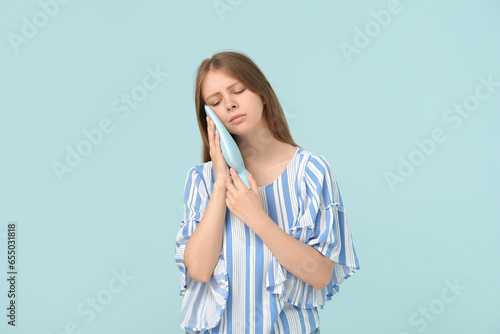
x: 266, y: 153
x: 260, y: 147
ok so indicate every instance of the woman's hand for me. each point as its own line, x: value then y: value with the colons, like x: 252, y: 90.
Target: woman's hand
x: 221, y: 170
x: 244, y: 203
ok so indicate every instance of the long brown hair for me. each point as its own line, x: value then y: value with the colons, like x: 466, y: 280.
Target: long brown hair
x: 243, y: 69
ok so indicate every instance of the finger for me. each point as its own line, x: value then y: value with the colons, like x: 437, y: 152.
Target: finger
x: 209, y: 128
x: 219, y: 147
x: 253, y: 183
x: 229, y: 196
x: 212, y: 128
x: 237, y: 179
x: 229, y: 185
x: 211, y: 137
x: 217, y: 140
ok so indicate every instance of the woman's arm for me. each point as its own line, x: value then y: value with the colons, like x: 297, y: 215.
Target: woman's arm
x: 204, y: 246
x: 303, y: 261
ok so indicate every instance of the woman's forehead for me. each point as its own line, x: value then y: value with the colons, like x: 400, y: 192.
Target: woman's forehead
x: 216, y: 80
x: 219, y: 75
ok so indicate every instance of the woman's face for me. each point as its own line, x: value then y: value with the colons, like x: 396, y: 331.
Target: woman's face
x: 228, y: 98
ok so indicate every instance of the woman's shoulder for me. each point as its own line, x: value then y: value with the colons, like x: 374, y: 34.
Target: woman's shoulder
x: 202, y: 170
x: 310, y: 159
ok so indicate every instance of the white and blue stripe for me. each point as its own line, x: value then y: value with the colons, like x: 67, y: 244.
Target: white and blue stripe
x: 250, y: 292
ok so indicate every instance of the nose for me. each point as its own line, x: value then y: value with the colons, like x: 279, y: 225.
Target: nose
x: 231, y: 104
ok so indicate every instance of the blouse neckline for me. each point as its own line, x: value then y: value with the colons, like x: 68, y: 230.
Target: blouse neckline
x: 286, y: 169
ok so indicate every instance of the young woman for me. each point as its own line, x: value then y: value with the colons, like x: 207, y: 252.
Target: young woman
x: 259, y: 260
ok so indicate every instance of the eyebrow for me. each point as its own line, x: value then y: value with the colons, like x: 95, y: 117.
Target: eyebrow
x: 228, y: 87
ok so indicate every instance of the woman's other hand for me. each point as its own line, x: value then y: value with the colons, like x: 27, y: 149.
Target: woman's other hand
x: 244, y: 203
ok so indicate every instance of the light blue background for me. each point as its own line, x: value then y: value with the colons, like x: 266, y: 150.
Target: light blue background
x: 120, y: 209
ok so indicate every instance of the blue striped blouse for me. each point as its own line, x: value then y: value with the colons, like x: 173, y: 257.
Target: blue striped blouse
x: 249, y: 291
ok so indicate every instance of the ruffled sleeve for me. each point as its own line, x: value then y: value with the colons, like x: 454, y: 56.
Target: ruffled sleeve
x: 322, y: 224
x: 203, y: 303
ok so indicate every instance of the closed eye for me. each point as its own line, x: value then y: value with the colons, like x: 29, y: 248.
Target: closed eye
x: 238, y: 92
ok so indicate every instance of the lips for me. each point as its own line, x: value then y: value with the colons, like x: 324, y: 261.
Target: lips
x: 235, y: 117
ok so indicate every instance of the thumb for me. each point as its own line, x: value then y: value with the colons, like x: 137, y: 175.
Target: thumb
x: 253, y: 183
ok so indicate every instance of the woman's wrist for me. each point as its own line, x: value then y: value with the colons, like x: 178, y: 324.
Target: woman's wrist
x: 219, y: 187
